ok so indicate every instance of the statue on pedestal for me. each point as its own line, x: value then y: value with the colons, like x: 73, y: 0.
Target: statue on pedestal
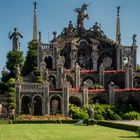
x: 15, y: 36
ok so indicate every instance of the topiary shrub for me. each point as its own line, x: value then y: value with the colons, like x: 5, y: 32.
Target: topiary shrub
x: 11, y: 82
x: 11, y: 94
x: 12, y: 105
x: 10, y: 99
x: 133, y: 115
x: 12, y: 89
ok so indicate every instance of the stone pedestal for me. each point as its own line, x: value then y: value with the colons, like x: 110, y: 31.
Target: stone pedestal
x: 111, y: 93
x: 66, y: 98
x: 77, y: 76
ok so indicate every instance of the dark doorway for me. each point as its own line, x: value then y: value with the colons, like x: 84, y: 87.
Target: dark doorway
x: 25, y: 103
x: 49, y: 62
x: 75, y: 100
x: 37, y: 105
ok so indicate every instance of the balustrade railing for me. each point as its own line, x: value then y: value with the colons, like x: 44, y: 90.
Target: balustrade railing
x: 32, y: 87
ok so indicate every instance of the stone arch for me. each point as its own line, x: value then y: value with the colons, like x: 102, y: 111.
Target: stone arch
x: 89, y: 81
x: 52, y: 81
x: 37, y: 104
x: 136, y: 82
x: 70, y: 80
x: 55, y: 104
x: 75, y: 100
x: 25, y: 103
x: 49, y: 62
x: 84, y: 55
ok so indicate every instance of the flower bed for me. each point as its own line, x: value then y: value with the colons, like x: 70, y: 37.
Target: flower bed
x: 114, y: 71
x: 127, y: 90
x: 50, y: 117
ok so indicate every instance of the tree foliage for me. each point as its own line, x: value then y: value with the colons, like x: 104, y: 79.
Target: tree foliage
x: 13, y: 58
x: 138, y: 67
x: 31, y: 58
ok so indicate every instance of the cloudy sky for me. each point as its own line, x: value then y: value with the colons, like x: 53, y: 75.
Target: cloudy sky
x: 54, y: 15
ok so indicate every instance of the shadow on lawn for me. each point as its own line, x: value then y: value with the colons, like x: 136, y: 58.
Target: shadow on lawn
x: 129, y: 137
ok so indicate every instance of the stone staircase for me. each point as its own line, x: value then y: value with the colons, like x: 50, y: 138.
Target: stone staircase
x: 3, y: 101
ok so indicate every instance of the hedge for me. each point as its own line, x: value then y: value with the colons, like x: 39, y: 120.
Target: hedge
x: 44, y: 121
x: 118, y: 125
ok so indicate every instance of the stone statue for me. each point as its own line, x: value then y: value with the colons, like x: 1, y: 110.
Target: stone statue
x: 134, y: 39
x: 54, y: 106
x: 119, y: 38
x: 91, y: 112
x: 81, y: 15
x: 17, y: 72
x: 40, y: 36
x: 15, y: 36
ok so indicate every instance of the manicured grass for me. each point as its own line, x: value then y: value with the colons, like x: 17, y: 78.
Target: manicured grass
x: 62, y: 132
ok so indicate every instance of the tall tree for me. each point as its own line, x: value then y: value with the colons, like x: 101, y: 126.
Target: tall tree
x: 31, y: 58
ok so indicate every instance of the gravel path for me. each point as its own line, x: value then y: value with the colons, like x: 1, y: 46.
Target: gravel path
x: 134, y: 122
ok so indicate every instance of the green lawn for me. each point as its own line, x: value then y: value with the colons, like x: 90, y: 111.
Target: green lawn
x: 62, y: 132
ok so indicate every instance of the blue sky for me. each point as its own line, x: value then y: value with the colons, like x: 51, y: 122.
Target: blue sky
x: 53, y: 15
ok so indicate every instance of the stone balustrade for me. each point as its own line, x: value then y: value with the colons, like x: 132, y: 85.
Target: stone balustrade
x: 32, y: 87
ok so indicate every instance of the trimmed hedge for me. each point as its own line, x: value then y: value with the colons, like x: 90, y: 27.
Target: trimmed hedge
x: 118, y: 125
x: 44, y: 121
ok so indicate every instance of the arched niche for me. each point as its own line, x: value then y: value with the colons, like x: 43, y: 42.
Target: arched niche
x: 37, y: 105
x: 84, y: 55
x: 70, y: 80
x: 55, y: 105
x: 52, y: 81
x: 75, y: 100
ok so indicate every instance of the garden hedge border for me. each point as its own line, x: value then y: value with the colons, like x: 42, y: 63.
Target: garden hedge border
x: 44, y: 121
x: 118, y: 125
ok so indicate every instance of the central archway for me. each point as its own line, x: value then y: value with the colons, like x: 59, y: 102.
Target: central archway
x: 37, y: 100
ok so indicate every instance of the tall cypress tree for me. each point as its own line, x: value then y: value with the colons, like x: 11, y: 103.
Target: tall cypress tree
x: 31, y: 58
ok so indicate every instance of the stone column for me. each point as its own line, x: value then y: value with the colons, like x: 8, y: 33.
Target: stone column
x: 85, y: 96
x: 77, y: 76
x: 101, y: 74
x: 129, y: 77
x: 134, y: 51
x: 95, y: 55
x: 39, y: 54
x: 60, y: 72
x: 66, y: 98
x: 73, y: 56
x: 18, y: 100
x: 111, y: 93
x: 119, y: 56
x: 46, y: 106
